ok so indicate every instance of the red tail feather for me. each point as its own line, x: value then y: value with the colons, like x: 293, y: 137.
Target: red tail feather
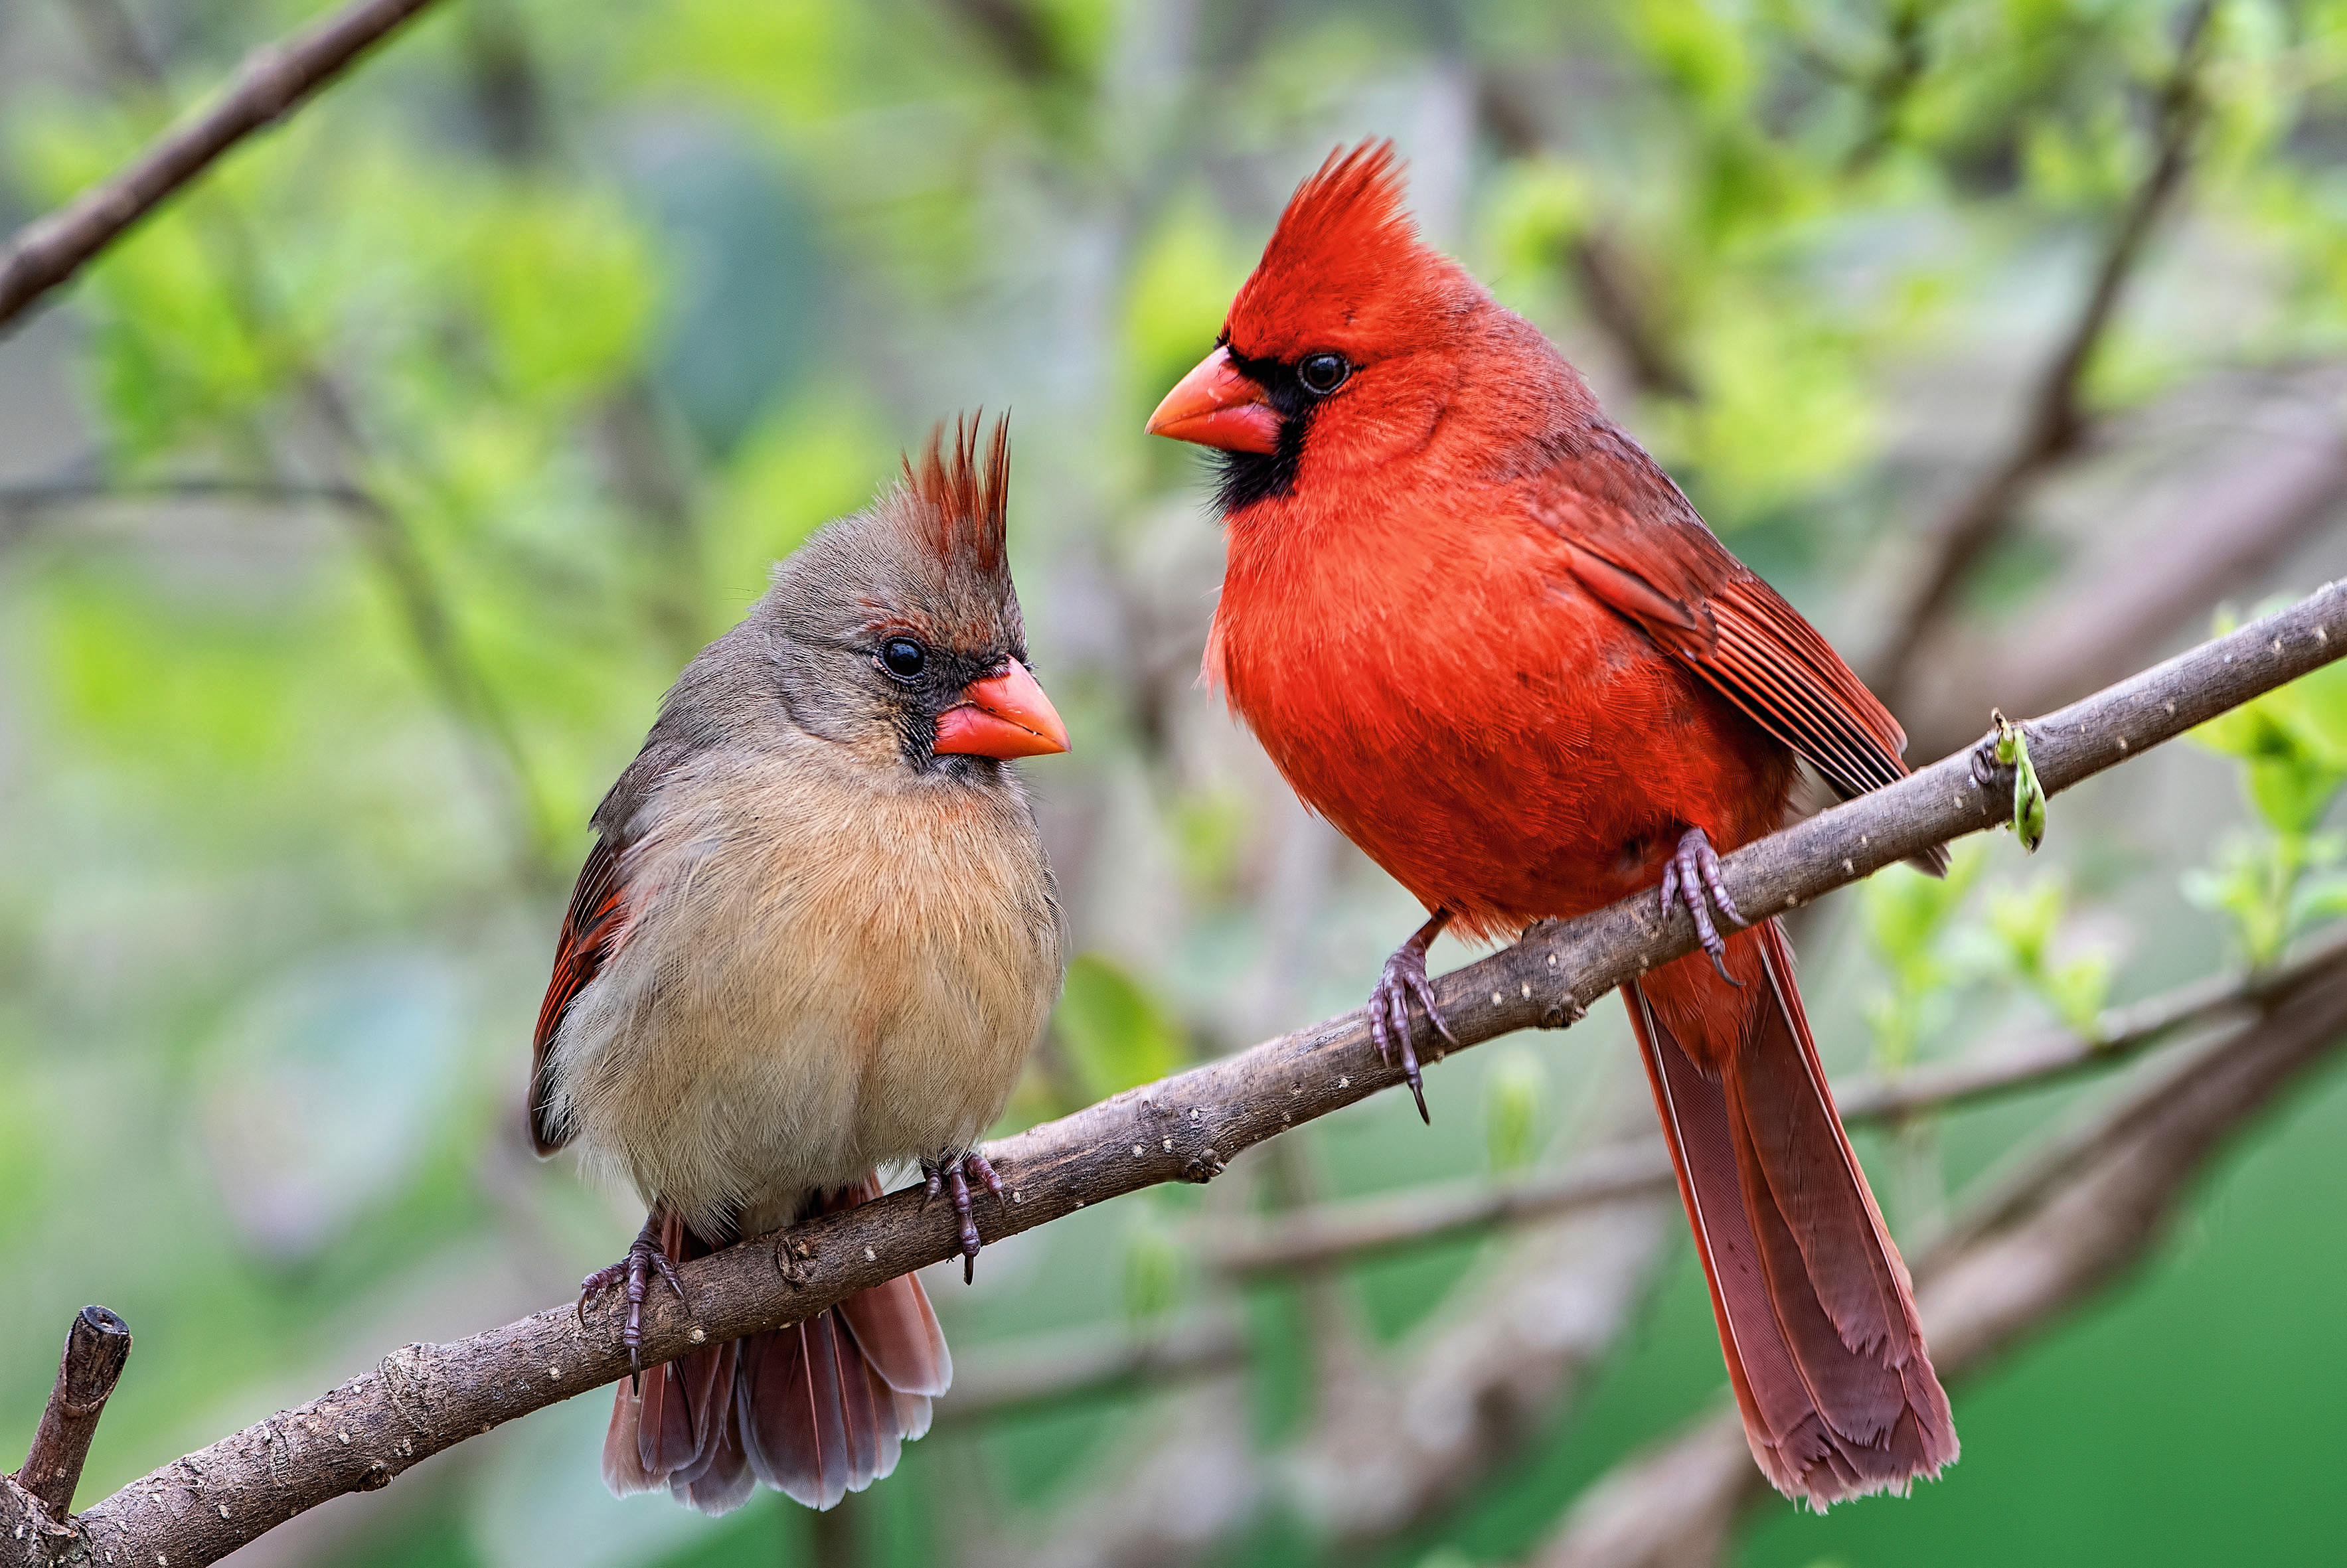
x: 1816, y: 1315
x: 816, y: 1411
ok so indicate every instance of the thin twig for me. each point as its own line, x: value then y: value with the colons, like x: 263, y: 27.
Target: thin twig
x: 1054, y: 1367
x: 2056, y: 422
x: 97, y: 1344
x: 276, y: 79
x: 2213, y: 533
x: 1618, y: 307
x: 1365, y: 1227
x: 424, y: 1398
x: 453, y: 676
x: 22, y: 500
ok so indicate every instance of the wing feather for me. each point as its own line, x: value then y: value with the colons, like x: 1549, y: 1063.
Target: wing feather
x: 591, y: 932
x: 1656, y: 565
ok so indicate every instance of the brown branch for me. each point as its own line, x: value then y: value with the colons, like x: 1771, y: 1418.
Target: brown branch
x: 2056, y: 422
x: 24, y: 499
x: 2065, y: 1222
x: 1346, y: 1231
x: 1057, y: 1367
x: 97, y: 1344
x: 1619, y: 308
x: 1393, y: 1439
x: 2119, y: 604
x: 276, y: 79
x: 1363, y: 1227
x: 426, y: 1398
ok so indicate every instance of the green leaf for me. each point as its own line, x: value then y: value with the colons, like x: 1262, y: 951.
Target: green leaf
x: 2292, y: 743
x: 1116, y: 1033
x: 2024, y: 921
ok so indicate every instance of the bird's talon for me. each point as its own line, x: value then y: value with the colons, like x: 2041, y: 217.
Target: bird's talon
x: 953, y: 1175
x: 1692, y: 876
x: 645, y: 1256
x: 1402, y: 981
x: 1425, y: 992
x: 1416, y: 1086
x: 985, y: 1172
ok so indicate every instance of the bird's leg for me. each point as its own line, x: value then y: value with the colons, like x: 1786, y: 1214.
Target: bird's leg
x: 645, y: 1254
x: 1404, y: 978
x: 951, y: 1175
x: 1691, y: 873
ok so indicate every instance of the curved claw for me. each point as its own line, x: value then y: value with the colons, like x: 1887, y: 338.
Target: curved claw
x: 976, y: 1164
x: 1692, y: 876
x: 953, y: 1175
x: 645, y: 1257
x: 1402, y: 981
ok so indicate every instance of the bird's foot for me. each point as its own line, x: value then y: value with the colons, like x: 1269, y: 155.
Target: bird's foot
x: 952, y: 1176
x: 1403, y: 981
x: 645, y: 1256
x: 1691, y: 876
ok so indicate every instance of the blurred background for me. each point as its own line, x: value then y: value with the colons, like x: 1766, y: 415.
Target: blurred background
x: 355, y: 511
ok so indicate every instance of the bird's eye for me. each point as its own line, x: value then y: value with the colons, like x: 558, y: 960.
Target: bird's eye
x: 902, y: 658
x: 1323, y: 373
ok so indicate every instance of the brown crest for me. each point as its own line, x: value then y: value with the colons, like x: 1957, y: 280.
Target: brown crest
x: 963, y: 504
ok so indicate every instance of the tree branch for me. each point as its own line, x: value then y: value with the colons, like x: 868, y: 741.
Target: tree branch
x: 2056, y: 423
x: 426, y: 1398
x: 2120, y: 603
x: 1392, y: 1439
x: 276, y: 79
x: 2066, y: 1221
x: 97, y: 1344
x: 1346, y: 1231
x: 17, y: 501
x: 1617, y: 306
x: 1055, y: 1366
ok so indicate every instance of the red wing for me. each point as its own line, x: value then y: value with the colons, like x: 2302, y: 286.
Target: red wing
x: 1670, y: 577
x: 590, y: 934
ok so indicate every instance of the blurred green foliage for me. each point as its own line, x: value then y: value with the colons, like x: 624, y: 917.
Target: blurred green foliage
x: 1516, y: 1103
x: 2273, y: 881
x: 2024, y: 921
x: 1116, y: 1033
x: 440, y: 425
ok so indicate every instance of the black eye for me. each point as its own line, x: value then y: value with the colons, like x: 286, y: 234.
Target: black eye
x: 1322, y: 374
x: 902, y: 658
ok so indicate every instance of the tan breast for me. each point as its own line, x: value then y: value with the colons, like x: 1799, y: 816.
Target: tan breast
x: 821, y: 976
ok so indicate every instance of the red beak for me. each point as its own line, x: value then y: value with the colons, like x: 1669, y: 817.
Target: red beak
x: 1215, y: 406
x: 1004, y: 716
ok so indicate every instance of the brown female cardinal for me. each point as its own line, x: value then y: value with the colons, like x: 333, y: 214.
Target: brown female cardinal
x: 816, y: 937
x: 1481, y: 632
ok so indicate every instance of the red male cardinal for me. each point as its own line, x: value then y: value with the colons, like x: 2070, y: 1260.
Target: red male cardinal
x: 1481, y: 632
x: 817, y: 935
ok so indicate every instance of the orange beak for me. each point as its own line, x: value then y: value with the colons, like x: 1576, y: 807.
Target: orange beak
x: 1004, y: 716
x: 1215, y: 406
